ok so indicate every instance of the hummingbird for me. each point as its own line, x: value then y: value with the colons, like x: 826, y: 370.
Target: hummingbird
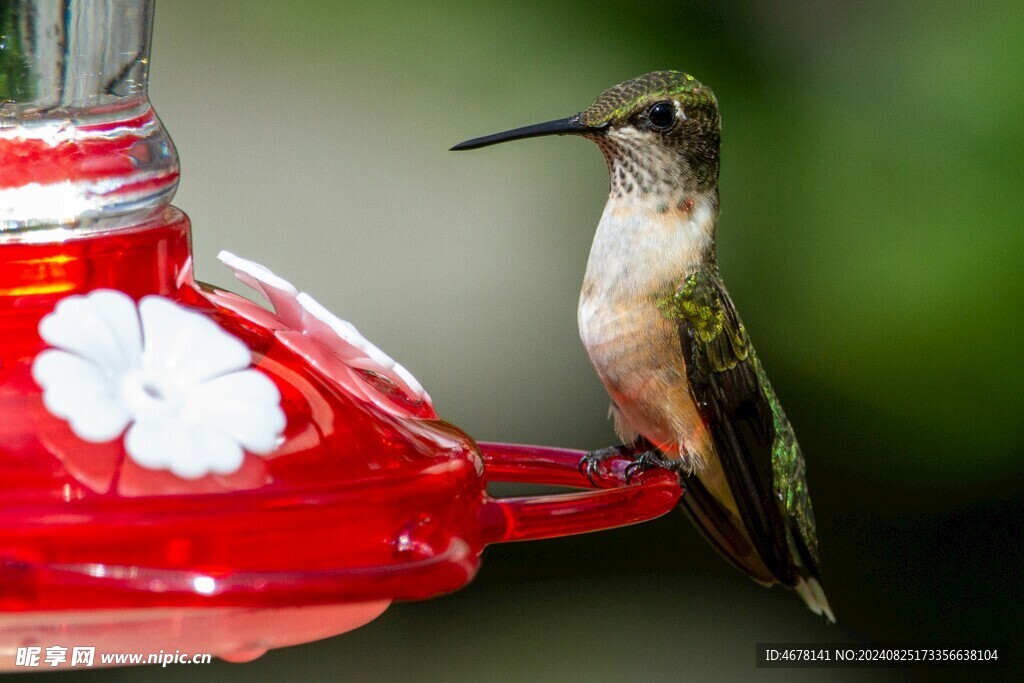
x: 688, y: 390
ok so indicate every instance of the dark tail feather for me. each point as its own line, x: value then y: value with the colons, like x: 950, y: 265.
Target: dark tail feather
x: 808, y: 586
x: 725, y: 532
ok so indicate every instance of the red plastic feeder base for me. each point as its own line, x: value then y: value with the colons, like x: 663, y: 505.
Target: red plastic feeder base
x: 364, y: 496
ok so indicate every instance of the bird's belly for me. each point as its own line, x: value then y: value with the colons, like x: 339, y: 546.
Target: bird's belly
x: 638, y: 356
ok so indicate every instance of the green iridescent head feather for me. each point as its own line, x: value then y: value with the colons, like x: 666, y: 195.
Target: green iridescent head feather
x: 616, y: 105
x: 694, y: 135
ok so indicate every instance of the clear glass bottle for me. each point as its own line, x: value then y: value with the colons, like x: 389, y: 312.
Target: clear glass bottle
x: 81, y: 149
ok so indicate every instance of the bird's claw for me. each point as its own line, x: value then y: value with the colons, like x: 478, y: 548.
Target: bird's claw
x: 590, y: 464
x: 650, y: 460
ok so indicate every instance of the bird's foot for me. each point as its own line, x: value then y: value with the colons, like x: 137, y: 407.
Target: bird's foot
x: 590, y: 464
x: 652, y: 459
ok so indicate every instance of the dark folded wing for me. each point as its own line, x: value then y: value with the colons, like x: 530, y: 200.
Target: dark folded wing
x: 724, y: 531
x: 748, y: 429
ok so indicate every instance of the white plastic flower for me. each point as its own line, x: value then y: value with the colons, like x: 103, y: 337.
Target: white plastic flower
x: 180, y: 384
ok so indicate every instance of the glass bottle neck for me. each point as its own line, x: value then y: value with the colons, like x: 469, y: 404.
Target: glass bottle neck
x: 81, y: 149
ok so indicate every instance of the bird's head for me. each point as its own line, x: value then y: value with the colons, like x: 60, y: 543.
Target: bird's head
x: 659, y: 133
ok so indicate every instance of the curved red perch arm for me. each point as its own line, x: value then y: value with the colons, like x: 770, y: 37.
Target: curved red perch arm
x: 649, y: 495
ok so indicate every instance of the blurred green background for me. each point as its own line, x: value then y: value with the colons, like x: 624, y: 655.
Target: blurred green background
x: 871, y: 236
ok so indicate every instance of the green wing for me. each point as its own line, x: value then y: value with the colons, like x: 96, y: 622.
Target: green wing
x: 757, y: 448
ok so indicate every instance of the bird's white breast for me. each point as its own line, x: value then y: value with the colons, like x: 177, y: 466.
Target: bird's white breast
x: 640, y: 254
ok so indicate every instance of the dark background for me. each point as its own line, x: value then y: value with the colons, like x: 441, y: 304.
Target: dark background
x: 871, y: 235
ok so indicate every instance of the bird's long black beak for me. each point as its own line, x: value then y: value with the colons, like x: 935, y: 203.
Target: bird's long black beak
x: 569, y: 126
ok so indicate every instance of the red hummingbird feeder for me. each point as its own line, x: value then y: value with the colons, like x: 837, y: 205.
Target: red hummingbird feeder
x: 181, y: 467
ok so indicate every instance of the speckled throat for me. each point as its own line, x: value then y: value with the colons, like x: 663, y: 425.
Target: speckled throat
x: 653, y: 174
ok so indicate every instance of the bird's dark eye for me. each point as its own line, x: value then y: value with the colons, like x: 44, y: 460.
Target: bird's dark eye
x: 662, y: 115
